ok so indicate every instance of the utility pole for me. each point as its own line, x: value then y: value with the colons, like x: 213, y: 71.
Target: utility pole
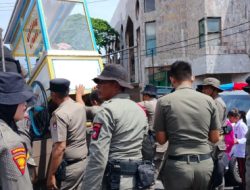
x: 139, y: 63
x: 2, y: 49
x: 152, y: 55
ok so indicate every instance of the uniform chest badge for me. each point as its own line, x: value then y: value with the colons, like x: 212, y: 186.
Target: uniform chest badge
x: 19, y: 158
x: 96, y: 130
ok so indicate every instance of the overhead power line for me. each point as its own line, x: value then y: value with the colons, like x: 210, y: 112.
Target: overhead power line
x: 183, y: 46
x: 193, y: 38
x: 193, y: 44
x: 197, y: 43
x: 197, y: 37
x: 173, y: 54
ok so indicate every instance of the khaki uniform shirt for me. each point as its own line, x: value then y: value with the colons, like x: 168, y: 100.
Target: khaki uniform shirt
x: 24, y: 130
x: 150, y: 110
x: 186, y: 116
x: 68, y: 124
x: 221, y: 106
x: 14, y: 174
x: 119, y: 128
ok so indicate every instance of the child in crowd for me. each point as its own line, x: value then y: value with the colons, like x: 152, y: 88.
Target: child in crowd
x: 240, y: 131
x: 228, y: 137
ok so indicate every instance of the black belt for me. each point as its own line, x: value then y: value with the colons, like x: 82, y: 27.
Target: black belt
x: 190, y: 158
x: 124, y: 167
x: 70, y: 162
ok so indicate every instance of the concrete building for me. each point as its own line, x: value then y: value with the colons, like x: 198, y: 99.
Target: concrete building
x: 213, y: 35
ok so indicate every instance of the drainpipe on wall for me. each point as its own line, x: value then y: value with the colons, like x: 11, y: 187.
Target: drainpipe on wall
x: 2, y: 50
x: 152, y: 54
x: 139, y: 64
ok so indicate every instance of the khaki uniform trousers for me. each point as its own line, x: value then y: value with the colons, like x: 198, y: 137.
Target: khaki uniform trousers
x: 74, y: 176
x: 181, y: 175
x: 127, y: 182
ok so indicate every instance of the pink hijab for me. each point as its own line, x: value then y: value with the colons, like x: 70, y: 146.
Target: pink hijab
x: 229, y: 139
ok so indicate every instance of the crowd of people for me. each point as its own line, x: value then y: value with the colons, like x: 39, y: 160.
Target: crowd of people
x: 125, y: 134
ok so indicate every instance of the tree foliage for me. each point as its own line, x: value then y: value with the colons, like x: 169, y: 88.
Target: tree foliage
x: 105, y: 35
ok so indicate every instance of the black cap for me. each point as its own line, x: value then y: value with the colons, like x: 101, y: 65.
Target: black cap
x: 150, y: 90
x: 13, y: 89
x: 59, y: 85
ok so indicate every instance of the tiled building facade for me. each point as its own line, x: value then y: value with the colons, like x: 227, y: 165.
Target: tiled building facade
x: 213, y: 35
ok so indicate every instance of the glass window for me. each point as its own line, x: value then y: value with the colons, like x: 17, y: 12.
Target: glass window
x: 202, y: 27
x: 202, y: 33
x: 149, y: 5
x: 137, y: 10
x: 67, y: 25
x: 213, y: 39
x: 150, y: 38
x: 210, y: 27
x: 213, y: 31
x: 213, y: 25
x: 202, y: 41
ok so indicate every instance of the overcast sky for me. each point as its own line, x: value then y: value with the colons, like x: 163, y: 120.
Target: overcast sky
x: 98, y: 9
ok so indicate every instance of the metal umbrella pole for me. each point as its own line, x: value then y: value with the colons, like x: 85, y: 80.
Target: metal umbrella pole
x: 2, y: 50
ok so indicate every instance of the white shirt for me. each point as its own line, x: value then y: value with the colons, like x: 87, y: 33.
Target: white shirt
x: 240, y: 131
x: 248, y: 118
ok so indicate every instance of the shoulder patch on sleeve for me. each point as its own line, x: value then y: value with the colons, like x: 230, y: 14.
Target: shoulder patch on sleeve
x: 19, y: 157
x: 96, y: 130
x: 54, y: 126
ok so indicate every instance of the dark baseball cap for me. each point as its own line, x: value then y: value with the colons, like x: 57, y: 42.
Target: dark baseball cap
x: 59, y: 85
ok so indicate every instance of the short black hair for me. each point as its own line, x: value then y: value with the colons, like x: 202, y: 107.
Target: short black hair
x: 150, y: 95
x: 181, y: 70
x: 94, y: 96
x: 233, y: 113
x: 243, y: 116
x: 199, y: 88
x: 62, y: 94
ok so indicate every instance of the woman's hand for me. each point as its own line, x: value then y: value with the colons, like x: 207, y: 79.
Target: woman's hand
x: 236, y: 141
x: 79, y: 93
x: 80, y: 90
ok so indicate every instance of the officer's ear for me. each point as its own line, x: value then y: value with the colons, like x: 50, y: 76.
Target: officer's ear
x: 174, y: 82
x: 172, y: 79
x: 192, y: 78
